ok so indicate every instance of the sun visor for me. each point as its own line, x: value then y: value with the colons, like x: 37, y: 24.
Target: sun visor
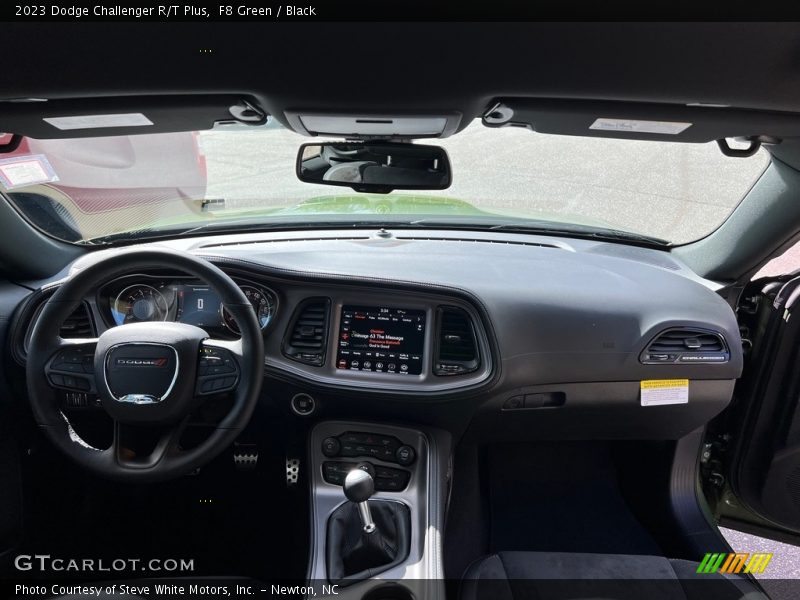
x: 99, y: 117
x: 384, y: 125
x: 629, y: 120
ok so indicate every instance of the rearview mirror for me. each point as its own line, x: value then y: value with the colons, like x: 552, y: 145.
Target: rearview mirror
x: 377, y: 167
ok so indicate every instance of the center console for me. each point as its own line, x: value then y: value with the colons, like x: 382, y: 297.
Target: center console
x: 385, y: 540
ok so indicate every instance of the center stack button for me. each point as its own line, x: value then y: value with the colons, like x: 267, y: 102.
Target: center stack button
x: 331, y: 447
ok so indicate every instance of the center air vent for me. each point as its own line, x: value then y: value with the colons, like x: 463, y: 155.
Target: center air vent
x: 456, y: 344
x: 686, y: 346
x: 307, y: 334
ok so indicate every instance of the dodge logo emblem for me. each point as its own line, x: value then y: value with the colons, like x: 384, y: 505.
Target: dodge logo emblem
x: 141, y: 362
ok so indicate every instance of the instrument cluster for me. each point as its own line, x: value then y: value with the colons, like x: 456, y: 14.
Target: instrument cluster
x: 142, y: 298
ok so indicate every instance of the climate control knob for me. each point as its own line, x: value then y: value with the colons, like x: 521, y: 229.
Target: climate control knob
x: 405, y: 455
x: 331, y: 447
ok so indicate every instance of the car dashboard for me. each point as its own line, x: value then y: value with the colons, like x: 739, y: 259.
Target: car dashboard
x: 515, y: 334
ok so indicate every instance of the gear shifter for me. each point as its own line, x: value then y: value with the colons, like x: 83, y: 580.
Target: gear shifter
x: 359, y: 487
x: 358, y: 547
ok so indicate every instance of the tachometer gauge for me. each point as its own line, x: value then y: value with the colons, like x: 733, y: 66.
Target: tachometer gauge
x: 263, y: 302
x: 138, y: 303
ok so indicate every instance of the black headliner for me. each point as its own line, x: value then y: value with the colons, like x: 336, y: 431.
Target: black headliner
x: 417, y: 66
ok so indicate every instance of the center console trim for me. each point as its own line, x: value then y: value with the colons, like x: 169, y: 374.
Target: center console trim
x: 425, y: 497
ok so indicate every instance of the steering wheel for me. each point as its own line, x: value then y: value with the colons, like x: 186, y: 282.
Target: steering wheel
x: 147, y: 375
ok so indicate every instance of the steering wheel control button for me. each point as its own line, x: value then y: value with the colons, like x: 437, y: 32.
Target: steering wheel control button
x: 303, y: 405
x: 331, y: 447
x: 405, y: 455
x: 64, y: 367
x: 216, y: 371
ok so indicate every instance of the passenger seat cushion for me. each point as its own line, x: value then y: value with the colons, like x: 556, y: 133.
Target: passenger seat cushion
x: 578, y: 576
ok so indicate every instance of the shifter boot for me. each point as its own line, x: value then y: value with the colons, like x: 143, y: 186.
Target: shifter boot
x: 353, y: 555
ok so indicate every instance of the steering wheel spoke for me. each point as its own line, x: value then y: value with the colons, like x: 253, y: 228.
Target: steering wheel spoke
x: 218, y: 369
x: 71, y: 366
x: 167, y: 446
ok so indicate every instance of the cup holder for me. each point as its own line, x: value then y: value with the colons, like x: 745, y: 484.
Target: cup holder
x: 391, y: 591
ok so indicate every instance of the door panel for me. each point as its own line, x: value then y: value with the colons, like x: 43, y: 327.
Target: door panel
x: 762, y: 425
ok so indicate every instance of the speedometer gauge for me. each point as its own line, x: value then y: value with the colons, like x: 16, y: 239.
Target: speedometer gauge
x: 138, y: 303
x: 263, y: 302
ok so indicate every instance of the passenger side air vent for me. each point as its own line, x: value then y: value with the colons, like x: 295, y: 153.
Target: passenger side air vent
x: 686, y: 346
x: 307, y: 335
x: 456, y: 344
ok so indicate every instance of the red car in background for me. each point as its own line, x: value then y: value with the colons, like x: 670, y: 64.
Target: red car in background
x: 91, y: 177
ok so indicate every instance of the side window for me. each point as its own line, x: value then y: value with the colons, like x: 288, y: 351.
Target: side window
x: 788, y: 262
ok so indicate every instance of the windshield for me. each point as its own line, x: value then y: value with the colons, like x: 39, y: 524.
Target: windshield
x: 89, y: 190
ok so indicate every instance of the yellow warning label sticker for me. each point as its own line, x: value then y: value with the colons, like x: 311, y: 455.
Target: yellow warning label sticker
x: 658, y: 392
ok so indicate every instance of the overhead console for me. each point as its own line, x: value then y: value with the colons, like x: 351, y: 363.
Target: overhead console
x: 383, y: 125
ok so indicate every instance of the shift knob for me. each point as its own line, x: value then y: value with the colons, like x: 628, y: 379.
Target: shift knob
x: 359, y: 487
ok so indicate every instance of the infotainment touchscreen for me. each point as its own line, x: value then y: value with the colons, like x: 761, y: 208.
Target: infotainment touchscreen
x: 381, y: 340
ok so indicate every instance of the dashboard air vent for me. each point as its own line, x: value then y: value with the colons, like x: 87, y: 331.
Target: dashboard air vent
x: 78, y: 324
x: 307, y: 334
x: 684, y: 345
x: 456, y: 344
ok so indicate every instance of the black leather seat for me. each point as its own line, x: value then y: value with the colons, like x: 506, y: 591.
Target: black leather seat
x: 575, y: 576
